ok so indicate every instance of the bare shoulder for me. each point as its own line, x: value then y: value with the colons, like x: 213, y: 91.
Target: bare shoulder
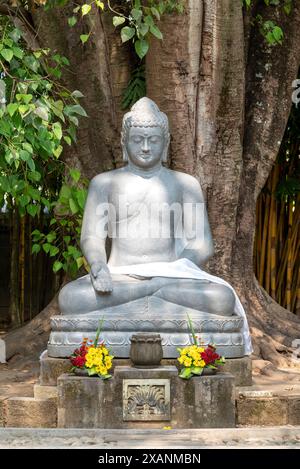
x: 105, y: 179
x: 186, y: 181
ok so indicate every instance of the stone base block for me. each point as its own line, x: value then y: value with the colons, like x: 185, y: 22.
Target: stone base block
x: 146, y: 398
x: 241, y: 369
x: 294, y: 410
x: 258, y: 411
x: 45, y: 392
x: 30, y: 412
x: 52, y: 368
x: 2, y: 411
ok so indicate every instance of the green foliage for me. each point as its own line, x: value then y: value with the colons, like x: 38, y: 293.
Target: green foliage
x: 136, y: 88
x: 272, y: 32
x: 62, y: 241
x: 37, y: 116
x: 138, y: 20
x: 139, y: 23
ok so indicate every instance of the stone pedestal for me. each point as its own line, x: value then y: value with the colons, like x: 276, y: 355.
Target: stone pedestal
x: 150, y: 315
x: 146, y: 398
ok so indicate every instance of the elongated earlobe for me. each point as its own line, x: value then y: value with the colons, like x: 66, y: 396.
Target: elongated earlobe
x: 125, y: 155
x: 164, y: 158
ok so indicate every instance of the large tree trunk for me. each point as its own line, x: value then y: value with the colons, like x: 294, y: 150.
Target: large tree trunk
x: 228, y: 107
x: 228, y: 98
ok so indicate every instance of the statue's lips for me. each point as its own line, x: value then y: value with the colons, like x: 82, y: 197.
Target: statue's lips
x: 145, y: 157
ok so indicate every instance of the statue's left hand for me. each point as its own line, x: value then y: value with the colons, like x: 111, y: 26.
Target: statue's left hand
x: 101, y: 278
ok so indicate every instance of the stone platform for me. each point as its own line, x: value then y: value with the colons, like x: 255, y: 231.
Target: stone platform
x: 146, y: 398
x: 149, y: 314
x: 52, y: 368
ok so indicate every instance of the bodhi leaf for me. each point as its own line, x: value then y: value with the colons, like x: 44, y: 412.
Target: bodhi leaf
x: 35, y: 248
x: 141, y: 47
x: 127, y: 33
x: 75, y: 174
x: 84, y: 38
x: 117, y: 20
x: 136, y: 14
x: 85, y: 9
x: 7, y: 54
x: 72, y: 21
x: 57, y: 130
x: 57, y: 266
x: 156, y: 32
x: 11, y: 108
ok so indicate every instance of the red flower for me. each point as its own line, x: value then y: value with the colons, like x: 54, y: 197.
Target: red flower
x: 78, y: 361
x: 209, y: 355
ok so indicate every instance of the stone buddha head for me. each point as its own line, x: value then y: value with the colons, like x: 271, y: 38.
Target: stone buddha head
x: 145, y: 135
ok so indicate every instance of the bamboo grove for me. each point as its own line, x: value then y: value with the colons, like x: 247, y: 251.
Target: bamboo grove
x: 277, y: 241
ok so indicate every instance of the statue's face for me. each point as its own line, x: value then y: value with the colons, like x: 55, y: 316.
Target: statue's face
x: 145, y: 146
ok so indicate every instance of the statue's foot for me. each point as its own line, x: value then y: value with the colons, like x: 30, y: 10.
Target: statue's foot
x: 200, y: 295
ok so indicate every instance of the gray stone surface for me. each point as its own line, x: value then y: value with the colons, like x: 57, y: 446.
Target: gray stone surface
x: 151, y: 214
x: 148, y: 315
x: 206, y: 401
x: 2, y: 351
x: 255, y: 437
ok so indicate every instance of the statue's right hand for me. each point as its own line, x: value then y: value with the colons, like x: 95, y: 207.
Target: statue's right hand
x: 101, y: 278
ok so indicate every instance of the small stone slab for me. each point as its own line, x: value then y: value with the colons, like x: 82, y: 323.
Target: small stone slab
x: 2, y: 351
x: 146, y: 399
x: 269, y: 411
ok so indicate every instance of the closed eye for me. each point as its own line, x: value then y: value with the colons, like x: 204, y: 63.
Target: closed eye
x: 137, y: 140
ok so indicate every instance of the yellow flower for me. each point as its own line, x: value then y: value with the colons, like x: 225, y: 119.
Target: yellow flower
x: 187, y: 362
x: 108, y: 361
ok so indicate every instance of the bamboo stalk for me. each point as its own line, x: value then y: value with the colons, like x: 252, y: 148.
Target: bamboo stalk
x: 22, y: 269
x: 289, y: 260
x: 273, y: 225
x: 14, y: 311
x: 30, y: 267
x: 258, y: 236
x: 264, y: 241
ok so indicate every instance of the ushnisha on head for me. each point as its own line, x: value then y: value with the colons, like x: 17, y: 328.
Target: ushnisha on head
x: 145, y: 134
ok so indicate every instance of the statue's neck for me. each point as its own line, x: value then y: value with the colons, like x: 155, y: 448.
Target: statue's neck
x: 145, y: 173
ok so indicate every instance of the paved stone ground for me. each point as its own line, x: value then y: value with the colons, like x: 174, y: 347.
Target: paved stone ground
x: 286, y: 437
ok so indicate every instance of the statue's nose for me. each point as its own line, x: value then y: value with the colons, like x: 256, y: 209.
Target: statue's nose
x: 145, y: 146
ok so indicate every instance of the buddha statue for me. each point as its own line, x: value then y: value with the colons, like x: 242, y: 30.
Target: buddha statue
x: 160, y: 242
